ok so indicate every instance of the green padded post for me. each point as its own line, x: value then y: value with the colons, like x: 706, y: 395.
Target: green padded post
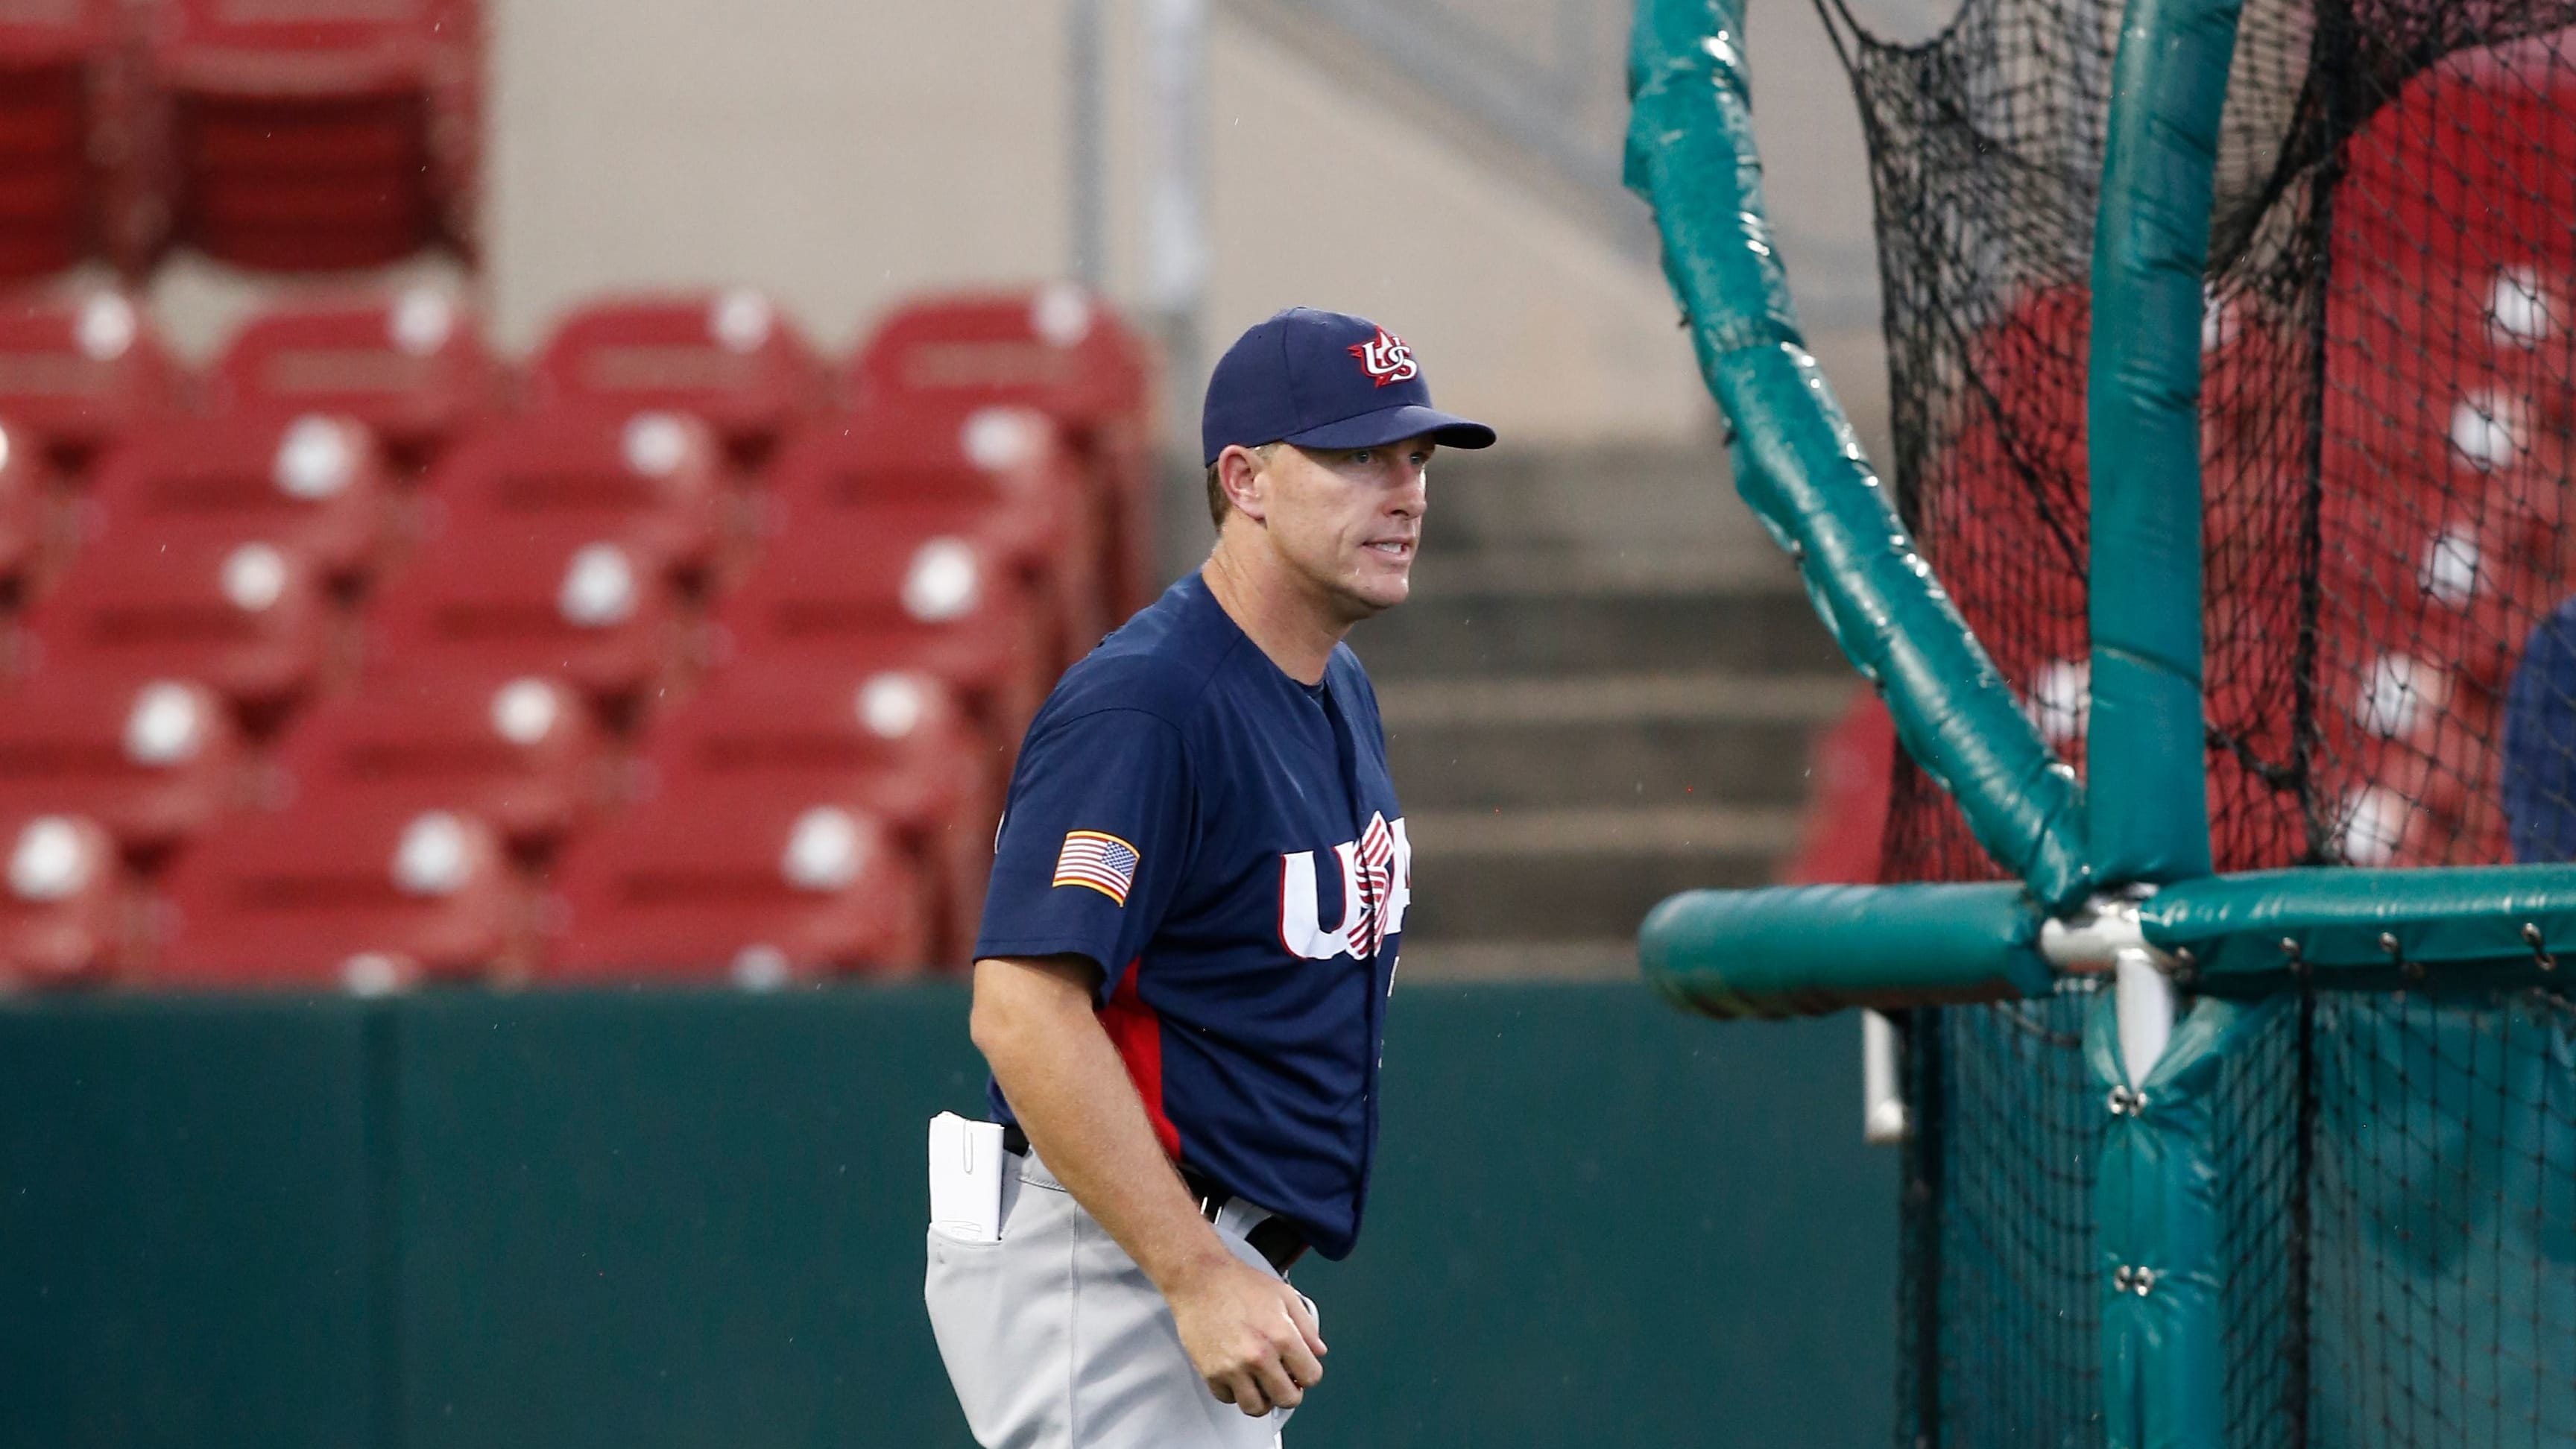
x: 1691, y: 155
x: 1808, y: 950
x: 2148, y: 820
x: 2158, y: 1212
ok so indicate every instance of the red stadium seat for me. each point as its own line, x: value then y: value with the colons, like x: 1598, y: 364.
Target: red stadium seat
x: 657, y: 476
x: 893, y: 744
x: 319, y: 483
x: 26, y: 498
x: 250, y: 618
x: 58, y: 82
x: 1002, y: 470
x: 1059, y: 350
x: 320, y: 136
x: 729, y: 357
x: 597, y: 609
x: 66, y: 904
x: 153, y: 761
x: 413, y: 367
x: 763, y: 888
x: 79, y: 371
x: 877, y: 589
x: 520, y: 751
x: 365, y: 896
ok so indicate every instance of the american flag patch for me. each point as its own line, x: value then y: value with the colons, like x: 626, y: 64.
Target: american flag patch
x: 1099, y: 860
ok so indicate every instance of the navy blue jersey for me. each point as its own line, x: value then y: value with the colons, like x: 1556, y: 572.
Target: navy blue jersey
x: 2540, y: 743
x: 1224, y: 841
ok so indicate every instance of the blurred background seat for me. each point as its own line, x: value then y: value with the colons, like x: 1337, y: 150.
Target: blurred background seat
x: 317, y: 483
x: 893, y: 588
x: 599, y: 609
x: 80, y: 370
x: 656, y: 476
x: 249, y: 616
x: 154, y: 762
x: 760, y: 887
x: 729, y: 357
x: 59, y: 75
x: 1060, y: 350
x: 67, y: 908
x: 521, y: 751
x: 893, y: 744
x: 999, y: 471
x: 368, y: 896
x: 413, y: 366
x: 319, y: 137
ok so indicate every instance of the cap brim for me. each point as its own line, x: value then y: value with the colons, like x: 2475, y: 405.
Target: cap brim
x: 1392, y: 425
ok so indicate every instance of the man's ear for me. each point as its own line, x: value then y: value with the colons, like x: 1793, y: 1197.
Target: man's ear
x: 1243, y: 475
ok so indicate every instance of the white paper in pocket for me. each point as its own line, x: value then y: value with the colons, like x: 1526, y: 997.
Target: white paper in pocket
x: 966, y: 1178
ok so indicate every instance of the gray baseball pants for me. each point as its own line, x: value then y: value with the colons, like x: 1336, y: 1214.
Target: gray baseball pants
x: 1055, y: 1339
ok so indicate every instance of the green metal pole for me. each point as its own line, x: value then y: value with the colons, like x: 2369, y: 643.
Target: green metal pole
x: 2163, y: 1327
x: 1797, y: 462
x: 2148, y: 820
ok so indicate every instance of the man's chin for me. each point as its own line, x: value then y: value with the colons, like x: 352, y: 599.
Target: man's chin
x: 1377, y: 595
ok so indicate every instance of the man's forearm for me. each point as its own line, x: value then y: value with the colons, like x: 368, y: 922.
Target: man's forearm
x: 1035, y: 1025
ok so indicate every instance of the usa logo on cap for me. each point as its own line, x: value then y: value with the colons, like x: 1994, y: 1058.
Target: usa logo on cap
x: 1386, y: 359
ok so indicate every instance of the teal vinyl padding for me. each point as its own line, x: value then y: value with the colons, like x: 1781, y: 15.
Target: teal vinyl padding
x: 2158, y: 1204
x: 2149, y: 819
x: 1797, y: 463
x: 2247, y: 930
x: 1807, y: 950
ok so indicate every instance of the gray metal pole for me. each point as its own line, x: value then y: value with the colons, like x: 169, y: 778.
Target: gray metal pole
x: 1176, y: 247
x: 1088, y: 171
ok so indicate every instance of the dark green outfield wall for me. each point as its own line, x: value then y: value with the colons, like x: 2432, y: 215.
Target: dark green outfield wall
x: 664, y: 1220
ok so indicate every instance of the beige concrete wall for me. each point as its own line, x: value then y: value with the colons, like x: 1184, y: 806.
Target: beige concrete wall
x: 842, y: 155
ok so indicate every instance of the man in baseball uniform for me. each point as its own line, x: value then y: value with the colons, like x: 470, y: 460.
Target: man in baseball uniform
x: 1191, y: 933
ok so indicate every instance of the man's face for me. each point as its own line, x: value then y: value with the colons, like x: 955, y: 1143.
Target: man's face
x: 1347, y: 521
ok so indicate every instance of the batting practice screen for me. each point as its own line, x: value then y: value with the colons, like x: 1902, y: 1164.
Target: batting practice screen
x: 2388, y: 426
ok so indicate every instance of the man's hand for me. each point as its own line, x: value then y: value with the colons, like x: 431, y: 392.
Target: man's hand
x: 1249, y: 1335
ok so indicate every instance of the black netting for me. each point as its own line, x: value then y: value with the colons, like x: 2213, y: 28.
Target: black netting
x: 2013, y: 1253
x: 2445, y: 1221
x: 2388, y: 428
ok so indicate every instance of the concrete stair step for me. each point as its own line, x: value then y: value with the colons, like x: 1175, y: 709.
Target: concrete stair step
x: 1584, y: 872
x: 1447, y: 635
x: 1581, y: 958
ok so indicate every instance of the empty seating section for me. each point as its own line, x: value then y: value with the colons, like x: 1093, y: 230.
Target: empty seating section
x: 362, y: 655
x: 1058, y: 351
x: 357, y: 662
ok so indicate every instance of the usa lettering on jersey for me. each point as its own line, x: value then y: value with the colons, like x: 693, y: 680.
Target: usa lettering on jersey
x: 1377, y: 885
x: 1099, y: 861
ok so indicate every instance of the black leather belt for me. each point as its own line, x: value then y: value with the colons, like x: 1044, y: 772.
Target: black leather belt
x: 1274, y: 1238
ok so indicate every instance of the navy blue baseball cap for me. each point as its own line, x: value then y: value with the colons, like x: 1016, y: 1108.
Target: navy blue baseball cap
x: 1324, y: 380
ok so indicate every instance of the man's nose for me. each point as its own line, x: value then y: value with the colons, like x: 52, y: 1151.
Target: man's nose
x: 1411, y: 492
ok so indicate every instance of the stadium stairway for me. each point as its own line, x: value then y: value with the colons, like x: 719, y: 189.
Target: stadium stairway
x: 1604, y: 690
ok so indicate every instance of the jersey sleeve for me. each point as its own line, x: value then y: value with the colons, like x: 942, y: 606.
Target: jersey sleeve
x: 1099, y: 827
